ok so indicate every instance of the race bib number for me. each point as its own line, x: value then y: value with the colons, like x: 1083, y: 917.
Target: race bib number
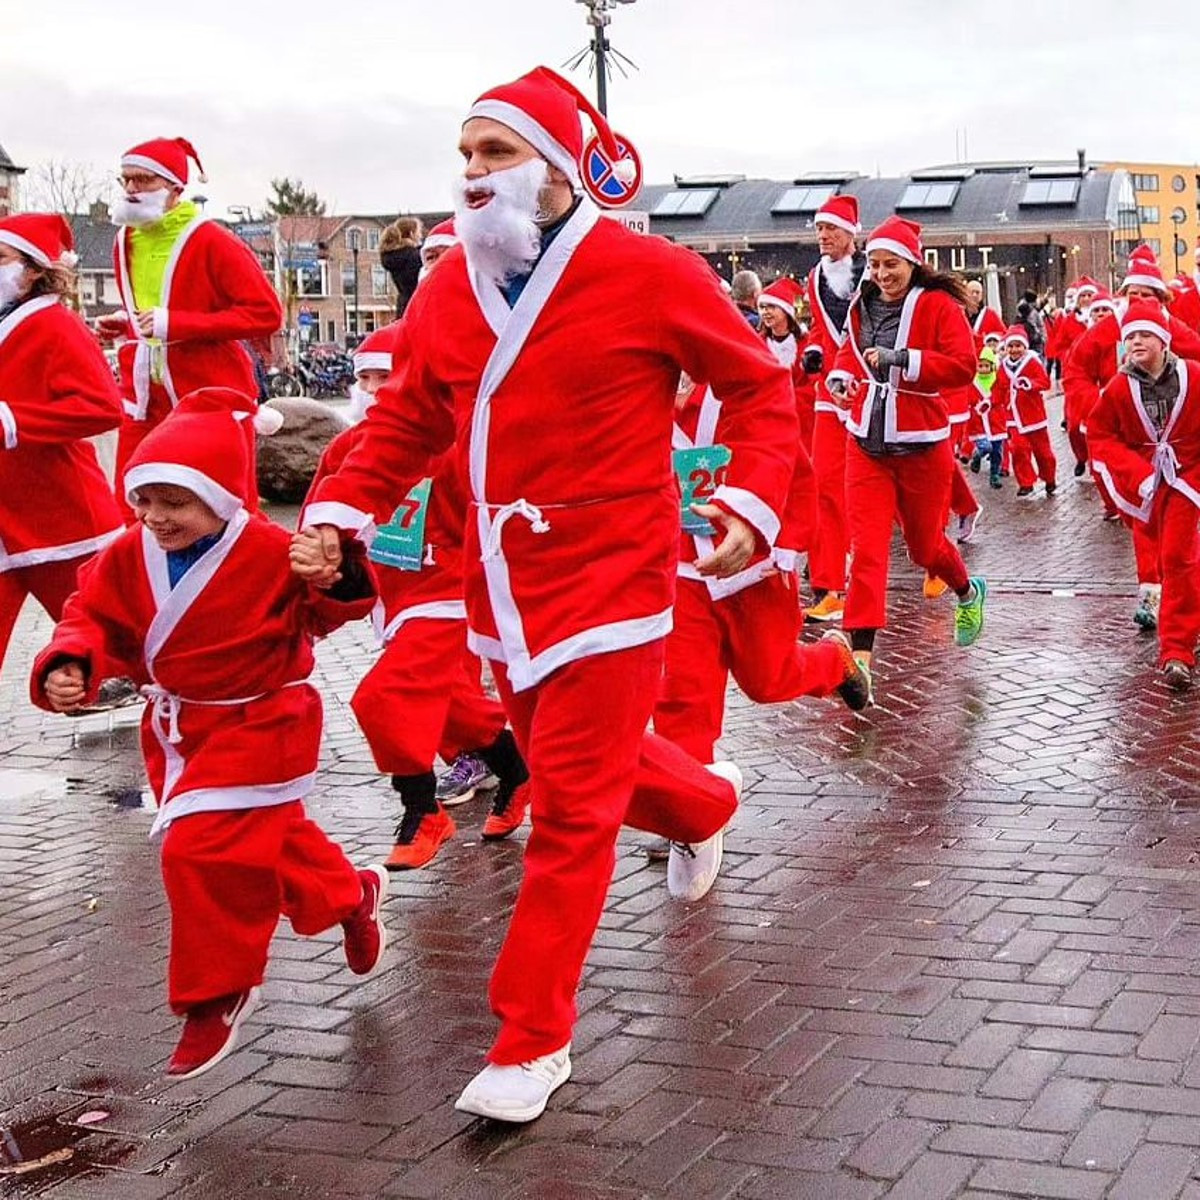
x: 700, y: 471
x: 401, y: 542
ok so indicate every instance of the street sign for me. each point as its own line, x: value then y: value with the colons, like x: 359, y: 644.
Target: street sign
x: 611, y: 184
x: 307, y: 318
x: 302, y: 254
x: 251, y: 231
x: 637, y: 219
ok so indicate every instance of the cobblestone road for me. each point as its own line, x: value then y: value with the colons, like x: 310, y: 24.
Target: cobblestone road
x: 952, y: 954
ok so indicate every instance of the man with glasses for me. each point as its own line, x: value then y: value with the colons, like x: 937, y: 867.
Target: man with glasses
x: 190, y: 293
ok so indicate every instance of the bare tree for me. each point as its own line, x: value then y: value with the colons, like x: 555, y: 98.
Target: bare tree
x: 65, y: 186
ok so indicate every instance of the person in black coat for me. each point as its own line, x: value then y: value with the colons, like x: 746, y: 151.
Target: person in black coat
x: 400, y: 255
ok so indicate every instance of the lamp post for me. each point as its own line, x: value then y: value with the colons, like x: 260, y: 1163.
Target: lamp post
x: 355, y: 246
x: 1178, y: 216
x: 599, y: 19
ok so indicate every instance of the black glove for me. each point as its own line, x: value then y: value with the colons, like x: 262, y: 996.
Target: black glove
x: 812, y: 360
x: 893, y: 358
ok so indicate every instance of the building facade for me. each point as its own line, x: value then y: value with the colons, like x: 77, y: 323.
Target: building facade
x: 1168, y: 199
x: 10, y: 180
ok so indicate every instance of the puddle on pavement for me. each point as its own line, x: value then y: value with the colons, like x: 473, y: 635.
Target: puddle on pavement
x: 129, y: 797
x: 22, y: 785
x: 45, y: 1146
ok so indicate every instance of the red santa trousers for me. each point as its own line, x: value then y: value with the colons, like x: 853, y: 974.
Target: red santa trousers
x: 422, y: 698
x: 48, y: 583
x: 229, y: 877
x: 962, y: 499
x: 1174, y: 521
x: 915, y: 489
x: 593, y: 768
x: 827, y: 557
x: 1028, y: 448
x: 1146, y: 553
x: 751, y: 633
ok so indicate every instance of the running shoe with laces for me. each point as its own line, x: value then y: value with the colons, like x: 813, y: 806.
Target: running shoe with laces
x: 518, y: 1092
x: 933, y: 587
x: 419, y: 836
x: 1177, y: 674
x: 468, y: 774
x: 968, y: 614
x: 829, y: 608
x: 855, y: 689
x: 508, y: 812
x: 1145, y: 616
x: 967, y: 526
x: 210, y: 1033
x: 365, y: 936
x: 692, y: 867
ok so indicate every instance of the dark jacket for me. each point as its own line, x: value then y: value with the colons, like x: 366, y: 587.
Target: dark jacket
x: 404, y: 266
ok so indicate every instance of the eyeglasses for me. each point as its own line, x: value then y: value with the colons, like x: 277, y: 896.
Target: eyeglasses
x: 139, y: 183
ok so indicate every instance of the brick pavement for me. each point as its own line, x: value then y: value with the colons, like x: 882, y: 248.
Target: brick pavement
x: 952, y: 953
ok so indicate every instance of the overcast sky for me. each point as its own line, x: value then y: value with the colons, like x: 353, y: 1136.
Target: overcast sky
x: 363, y: 100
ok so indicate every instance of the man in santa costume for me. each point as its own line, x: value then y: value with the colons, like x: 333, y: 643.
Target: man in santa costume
x: 56, y: 391
x: 1072, y: 326
x: 437, y: 241
x: 1144, y: 434
x: 1021, y: 384
x: 198, y: 606
x: 831, y: 285
x: 191, y: 292
x: 1094, y: 361
x: 573, y: 528
x: 984, y: 320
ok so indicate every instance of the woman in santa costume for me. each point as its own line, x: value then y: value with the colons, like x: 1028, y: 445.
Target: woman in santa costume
x: 56, y: 390
x: 1021, y: 384
x: 572, y: 536
x: 191, y: 292
x: 780, y: 329
x: 198, y: 606
x: 1144, y: 436
x: 422, y: 697
x: 909, y: 347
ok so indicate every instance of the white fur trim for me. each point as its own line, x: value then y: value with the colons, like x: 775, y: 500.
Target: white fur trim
x: 832, y: 219
x: 8, y: 422
x: 154, y: 166
x: 431, y: 610
x: 520, y: 122
x: 159, y: 328
x: 767, y: 298
x: 263, y: 795
x: 436, y: 241
x: 1160, y: 331
x: 224, y: 503
x: 48, y: 554
x: 267, y: 421
x: 341, y: 516
x: 373, y: 360
x: 785, y: 560
x: 750, y: 508
x: 912, y: 372
x: 26, y: 247
x: 895, y: 247
x: 1150, y: 281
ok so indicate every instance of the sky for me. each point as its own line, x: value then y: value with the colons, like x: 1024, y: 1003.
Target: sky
x: 364, y: 103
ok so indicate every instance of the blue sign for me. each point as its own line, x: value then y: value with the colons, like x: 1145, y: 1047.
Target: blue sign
x: 606, y: 185
x: 307, y: 318
x: 254, y: 230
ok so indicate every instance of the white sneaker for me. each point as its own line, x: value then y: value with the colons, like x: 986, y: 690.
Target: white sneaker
x: 692, y: 868
x: 517, y: 1093
x: 966, y: 526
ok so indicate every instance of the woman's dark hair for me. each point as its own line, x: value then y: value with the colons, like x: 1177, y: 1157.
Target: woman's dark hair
x: 924, y: 276
x: 57, y: 279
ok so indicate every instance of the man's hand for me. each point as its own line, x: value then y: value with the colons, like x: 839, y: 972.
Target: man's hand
x: 736, y: 548
x: 316, y: 555
x: 114, y: 325
x: 66, y: 687
x: 145, y: 323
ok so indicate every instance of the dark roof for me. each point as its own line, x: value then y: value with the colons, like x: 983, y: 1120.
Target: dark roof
x: 93, y: 243
x: 7, y: 164
x: 988, y: 199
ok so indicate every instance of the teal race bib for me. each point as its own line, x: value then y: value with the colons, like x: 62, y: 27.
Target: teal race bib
x: 700, y: 471
x: 401, y: 542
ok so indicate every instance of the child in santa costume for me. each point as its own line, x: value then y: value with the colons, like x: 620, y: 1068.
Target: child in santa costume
x: 746, y: 624
x: 198, y: 606
x: 191, y: 292
x: 422, y: 697
x: 909, y: 346
x: 1144, y: 435
x: 831, y: 285
x: 1020, y: 388
x: 572, y: 535
x: 988, y: 428
x: 55, y: 392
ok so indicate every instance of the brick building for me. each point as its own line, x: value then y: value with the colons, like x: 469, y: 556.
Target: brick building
x: 1168, y: 200
x: 1039, y: 225
x: 10, y: 178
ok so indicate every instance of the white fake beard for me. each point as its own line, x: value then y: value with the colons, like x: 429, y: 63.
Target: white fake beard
x: 11, y: 275
x: 502, y: 239
x: 360, y: 401
x: 839, y: 275
x: 142, y: 208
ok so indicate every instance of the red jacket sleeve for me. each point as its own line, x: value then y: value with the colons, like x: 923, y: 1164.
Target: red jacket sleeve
x: 1126, y: 467
x: 1082, y: 370
x: 950, y: 362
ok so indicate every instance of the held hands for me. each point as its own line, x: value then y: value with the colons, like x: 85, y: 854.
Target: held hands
x: 66, y: 687
x: 145, y: 323
x: 316, y: 555
x: 737, y: 545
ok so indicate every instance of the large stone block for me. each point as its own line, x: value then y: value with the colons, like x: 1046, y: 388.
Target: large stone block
x: 287, y: 460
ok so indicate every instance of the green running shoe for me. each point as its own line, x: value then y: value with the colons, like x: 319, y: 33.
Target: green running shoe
x: 968, y: 615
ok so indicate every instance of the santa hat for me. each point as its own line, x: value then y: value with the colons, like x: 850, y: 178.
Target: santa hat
x: 992, y: 335
x: 1146, y: 316
x: 374, y: 352
x: 44, y: 237
x: 784, y: 293
x: 1104, y: 300
x: 1085, y: 283
x: 544, y: 109
x: 900, y: 236
x: 1144, y: 271
x: 1143, y: 252
x: 200, y: 447
x: 841, y: 211
x: 442, y: 235
x: 167, y: 157
x: 1016, y: 333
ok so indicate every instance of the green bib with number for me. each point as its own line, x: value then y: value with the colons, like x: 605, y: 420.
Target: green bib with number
x: 700, y: 471
x: 401, y: 542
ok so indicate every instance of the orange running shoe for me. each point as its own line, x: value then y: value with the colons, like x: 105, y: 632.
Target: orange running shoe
x: 933, y: 587
x: 419, y: 836
x: 508, y: 812
x: 829, y: 608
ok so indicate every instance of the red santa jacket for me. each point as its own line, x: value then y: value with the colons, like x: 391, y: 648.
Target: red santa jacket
x: 828, y: 336
x: 214, y: 295
x: 436, y: 590
x: 224, y: 657
x: 560, y: 410
x: 1019, y: 387
x: 788, y: 353
x: 917, y: 400
x: 698, y: 424
x: 1096, y: 357
x: 55, y: 391
x: 1185, y: 304
x: 989, y: 413
x: 985, y: 321
x: 1132, y: 457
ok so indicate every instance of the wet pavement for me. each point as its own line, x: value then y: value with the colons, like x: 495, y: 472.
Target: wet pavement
x: 952, y: 952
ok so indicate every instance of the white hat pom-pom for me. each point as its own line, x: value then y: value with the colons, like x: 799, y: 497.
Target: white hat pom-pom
x: 267, y: 421
x: 625, y: 170
x: 69, y: 258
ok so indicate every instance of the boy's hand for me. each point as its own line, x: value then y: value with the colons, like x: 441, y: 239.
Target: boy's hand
x: 66, y: 687
x: 316, y: 555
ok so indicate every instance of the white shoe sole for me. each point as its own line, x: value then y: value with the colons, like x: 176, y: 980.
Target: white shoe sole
x: 700, y: 885
x: 226, y: 1050
x: 478, y: 1106
x: 382, y: 874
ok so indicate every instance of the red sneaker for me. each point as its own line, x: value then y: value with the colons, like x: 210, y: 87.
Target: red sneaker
x: 365, y: 935
x: 507, y: 814
x: 419, y: 836
x: 210, y: 1033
